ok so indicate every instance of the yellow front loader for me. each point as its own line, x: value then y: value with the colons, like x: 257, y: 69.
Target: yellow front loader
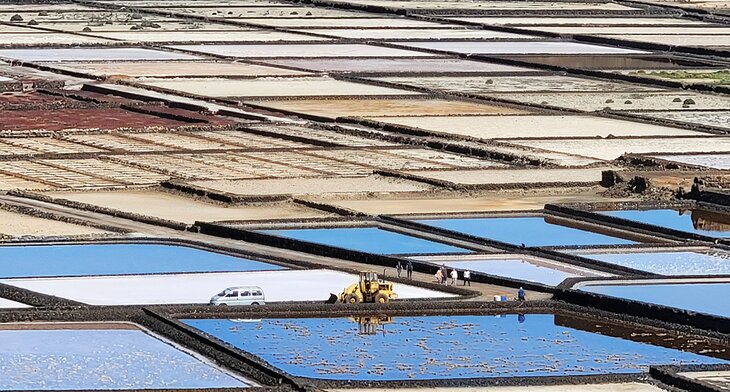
x: 369, y: 289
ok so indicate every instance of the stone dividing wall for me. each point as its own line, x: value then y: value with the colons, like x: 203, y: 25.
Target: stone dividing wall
x: 669, y: 375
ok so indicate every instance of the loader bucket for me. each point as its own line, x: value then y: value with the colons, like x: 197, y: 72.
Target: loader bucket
x: 332, y: 299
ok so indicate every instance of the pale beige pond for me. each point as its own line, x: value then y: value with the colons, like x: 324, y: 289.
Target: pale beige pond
x: 583, y: 20
x: 515, y: 176
x: 208, y: 36
x: 537, y: 47
x: 329, y: 23
x: 533, y: 127
x: 417, y: 34
x: 678, y: 39
x: 300, y: 50
x: 47, y: 38
x: 17, y: 225
x: 609, y: 149
x: 669, y: 100
x: 385, y: 107
x: 634, y: 30
x: 175, y: 68
x: 400, y: 65
x: 184, y: 209
x: 272, y: 87
x: 316, y: 186
x: 522, y: 84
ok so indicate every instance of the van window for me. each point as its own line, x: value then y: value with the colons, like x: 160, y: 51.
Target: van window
x: 232, y: 294
x: 258, y: 293
x: 245, y: 294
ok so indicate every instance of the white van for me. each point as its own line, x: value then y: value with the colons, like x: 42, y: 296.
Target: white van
x: 236, y: 296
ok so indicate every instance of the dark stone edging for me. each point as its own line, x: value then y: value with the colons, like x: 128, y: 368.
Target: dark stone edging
x: 225, y: 197
x: 670, y: 375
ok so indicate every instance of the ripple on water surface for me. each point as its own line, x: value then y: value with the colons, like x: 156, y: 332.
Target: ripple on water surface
x: 439, y: 347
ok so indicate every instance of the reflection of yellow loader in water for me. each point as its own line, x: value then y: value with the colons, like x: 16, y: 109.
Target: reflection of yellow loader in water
x: 368, y: 289
x: 368, y: 325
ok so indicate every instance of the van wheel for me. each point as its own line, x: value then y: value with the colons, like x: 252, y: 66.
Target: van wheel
x: 255, y: 304
x: 223, y: 305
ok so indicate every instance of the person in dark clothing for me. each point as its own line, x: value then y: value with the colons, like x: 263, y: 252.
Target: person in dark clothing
x: 444, y: 274
x: 409, y: 269
x: 467, y: 277
x: 521, y: 294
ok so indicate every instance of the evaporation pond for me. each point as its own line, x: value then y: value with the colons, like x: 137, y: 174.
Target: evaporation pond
x: 62, y: 359
x: 692, y: 221
x: 531, y: 231
x: 708, y: 262
x: 438, y: 347
x: 707, y: 298
x: 116, y: 259
x: 367, y: 239
x: 532, y: 270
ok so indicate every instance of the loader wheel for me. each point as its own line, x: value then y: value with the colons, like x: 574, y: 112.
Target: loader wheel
x: 352, y: 299
x: 381, y: 298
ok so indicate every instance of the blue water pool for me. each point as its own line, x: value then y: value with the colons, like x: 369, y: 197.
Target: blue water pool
x: 710, y: 298
x: 531, y: 231
x: 368, y: 239
x: 694, y: 221
x: 670, y: 263
x: 117, y: 259
x: 439, y: 347
x: 519, y: 269
x: 100, y: 359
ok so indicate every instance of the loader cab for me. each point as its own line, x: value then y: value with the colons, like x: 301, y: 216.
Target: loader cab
x: 239, y: 296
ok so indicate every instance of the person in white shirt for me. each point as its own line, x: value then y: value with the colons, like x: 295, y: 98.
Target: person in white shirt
x: 467, y: 278
x: 454, y: 277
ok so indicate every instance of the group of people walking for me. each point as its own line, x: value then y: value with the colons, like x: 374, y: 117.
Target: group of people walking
x: 442, y: 276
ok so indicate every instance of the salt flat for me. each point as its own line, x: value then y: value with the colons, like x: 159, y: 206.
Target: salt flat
x: 297, y: 285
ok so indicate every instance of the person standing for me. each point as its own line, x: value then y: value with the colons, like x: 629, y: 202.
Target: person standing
x: 444, y: 274
x: 521, y: 294
x: 409, y: 269
x: 454, y: 277
x: 399, y: 268
x: 439, y: 276
x: 467, y: 278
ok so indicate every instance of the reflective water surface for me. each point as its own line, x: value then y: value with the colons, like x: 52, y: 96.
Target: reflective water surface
x: 367, y: 239
x: 381, y: 348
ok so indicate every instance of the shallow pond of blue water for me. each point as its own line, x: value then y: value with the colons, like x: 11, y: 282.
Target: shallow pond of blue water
x: 518, y: 269
x: 710, y: 298
x: 367, y: 239
x: 692, y: 221
x: 531, y: 231
x: 100, y: 359
x: 117, y: 259
x: 670, y: 263
x: 439, y: 347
